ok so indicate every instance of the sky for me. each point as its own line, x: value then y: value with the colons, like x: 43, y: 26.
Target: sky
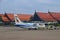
x: 29, y: 6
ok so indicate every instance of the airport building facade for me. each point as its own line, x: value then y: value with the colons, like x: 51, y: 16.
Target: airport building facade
x: 37, y: 17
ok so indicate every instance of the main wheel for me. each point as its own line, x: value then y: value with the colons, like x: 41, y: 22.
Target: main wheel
x: 35, y: 28
x: 29, y: 28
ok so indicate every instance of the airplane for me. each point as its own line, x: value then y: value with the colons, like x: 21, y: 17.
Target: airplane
x: 21, y: 24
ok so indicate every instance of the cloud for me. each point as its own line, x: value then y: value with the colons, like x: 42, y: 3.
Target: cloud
x: 29, y: 5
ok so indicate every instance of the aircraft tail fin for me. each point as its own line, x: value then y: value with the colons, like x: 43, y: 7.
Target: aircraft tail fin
x: 17, y: 20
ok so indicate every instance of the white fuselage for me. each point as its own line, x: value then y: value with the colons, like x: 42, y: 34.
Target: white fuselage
x: 26, y: 25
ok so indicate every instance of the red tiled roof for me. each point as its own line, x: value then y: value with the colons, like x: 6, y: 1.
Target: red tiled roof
x: 1, y: 14
x: 56, y: 15
x: 22, y: 17
x: 48, y: 17
x: 5, y: 19
x: 11, y: 16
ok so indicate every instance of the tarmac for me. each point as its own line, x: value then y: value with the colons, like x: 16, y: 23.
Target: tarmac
x: 16, y: 33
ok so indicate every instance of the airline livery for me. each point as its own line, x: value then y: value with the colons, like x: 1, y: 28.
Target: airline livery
x: 21, y: 24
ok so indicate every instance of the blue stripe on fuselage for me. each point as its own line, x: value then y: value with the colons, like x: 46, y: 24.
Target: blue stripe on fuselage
x: 23, y: 26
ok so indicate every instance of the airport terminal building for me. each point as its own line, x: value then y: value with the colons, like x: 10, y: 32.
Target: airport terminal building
x: 8, y: 18
x: 46, y: 17
x: 37, y: 17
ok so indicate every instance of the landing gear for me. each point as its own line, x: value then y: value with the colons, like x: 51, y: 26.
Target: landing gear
x: 32, y: 28
x: 35, y: 28
x: 29, y: 28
